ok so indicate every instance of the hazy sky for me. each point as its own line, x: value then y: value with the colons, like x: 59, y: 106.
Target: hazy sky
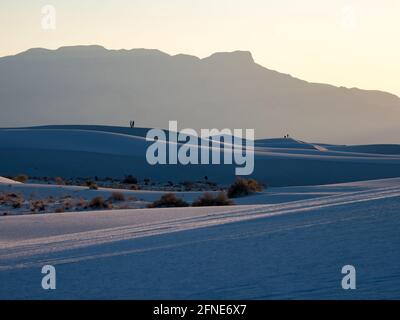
x: 342, y: 42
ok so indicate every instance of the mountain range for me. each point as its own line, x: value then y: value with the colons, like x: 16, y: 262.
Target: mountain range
x: 94, y: 85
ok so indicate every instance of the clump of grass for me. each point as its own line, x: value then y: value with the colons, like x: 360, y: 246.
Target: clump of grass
x: 3, y: 198
x: 99, y: 203
x: 82, y: 203
x: 60, y: 210
x: 243, y: 187
x: 208, y: 199
x: 67, y: 203
x: 130, y: 179
x: 188, y: 185
x: 38, y: 205
x: 59, y: 181
x: 21, y: 178
x: 117, y: 196
x: 168, y: 200
x: 15, y: 200
x: 92, y: 185
x: 17, y: 204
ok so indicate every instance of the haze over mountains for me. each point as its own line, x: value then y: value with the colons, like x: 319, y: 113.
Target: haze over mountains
x: 93, y: 85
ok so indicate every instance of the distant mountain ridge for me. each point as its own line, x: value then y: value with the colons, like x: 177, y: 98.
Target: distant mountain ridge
x: 94, y: 85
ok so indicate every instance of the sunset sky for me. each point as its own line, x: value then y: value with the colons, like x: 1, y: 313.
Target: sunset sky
x: 353, y: 43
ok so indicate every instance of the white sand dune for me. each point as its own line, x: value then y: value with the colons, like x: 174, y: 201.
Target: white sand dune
x: 7, y: 181
x: 135, y: 131
x: 283, y: 143
x: 87, y: 151
x: 284, y: 250
x: 387, y: 149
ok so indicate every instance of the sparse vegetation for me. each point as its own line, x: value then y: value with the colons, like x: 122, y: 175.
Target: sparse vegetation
x: 12, y: 199
x: 188, y: 185
x: 17, y: 204
x: 243, y: 187
x: 98, y: 203
x: 37, y: 206
x: 208, y: 199
x: 59, y: 181
x: 82, y: 203
x: 168, y: 200
x: 68, y: 204
x: 14, y: 203
x: 129, y: 179
x: 21, y: 178
x: 118, y: 196
x: 92, y: 185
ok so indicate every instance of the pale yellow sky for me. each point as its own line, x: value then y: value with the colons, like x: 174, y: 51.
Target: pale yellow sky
x: 353, y: 43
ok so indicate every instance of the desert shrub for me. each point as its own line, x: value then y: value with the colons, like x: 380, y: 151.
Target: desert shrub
x: 98, y: 203
x: 118, y: 196
x: 168, y: 200
x: 67, y: 203
x: 92, y: 185
x: 82, y: 203
x: 21, y: 178
x: 13, y: 199
x: 188, y: 185
x: 129, y: 179
x: 3, y: 198
x: 60, y: 210
x: 134, y: 187
x: 59, y: 181
x: 17, y: 204
x: 243, y: 187
x: 208, y: 199
x: 37, y: 205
